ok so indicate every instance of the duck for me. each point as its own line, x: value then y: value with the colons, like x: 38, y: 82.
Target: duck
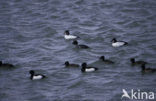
x: 34, y: 76
x: 147, y: 70
x: 85, y: 68
x: 106, y: 61
x: 5, y: 64
x: 67, y: 64
x: 133, y: 62
x: 116, y: 43
x: 75, y: 42
x: 67, y: 35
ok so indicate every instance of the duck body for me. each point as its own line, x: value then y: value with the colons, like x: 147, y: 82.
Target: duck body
x: 140, y: 62
x: 102, y: 58
x: 133, y: 62
x: 85, y: 68
x: 83, y: 46
x: 89, y: 69
x: 67, y: 36
x: 116, y: 43
x: 147, y: 70
x: 67, y: 64
x: 108, y: 61
x: 37, y: 77
x: 6, y: 64
x: 80, y: 46
x: 34, y: 76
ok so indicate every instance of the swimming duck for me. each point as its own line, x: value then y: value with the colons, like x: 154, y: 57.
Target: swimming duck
x: 133, y: 62
x: 67, y: 64
x: 116, y: 43
x: 85, y: 68
x: 5, y: 64
x: 80, y: 46
x: 106, y: 61
x: 68, y: 36
x: 147, y: 70
x: 34, y: 76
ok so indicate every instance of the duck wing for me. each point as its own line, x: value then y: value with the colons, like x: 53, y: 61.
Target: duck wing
x: 74, y: 65
x: 141, y: 62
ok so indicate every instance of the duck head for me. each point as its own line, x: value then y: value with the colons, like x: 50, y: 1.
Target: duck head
x: 0, y: 63
x: 66, y: 32
x: 102, y: 58
x: 31, y: 72
x: 143, y: 67
x: 75, y: 42
x: 114, y: 40
x: 66, y: 63
x: 132, y: 60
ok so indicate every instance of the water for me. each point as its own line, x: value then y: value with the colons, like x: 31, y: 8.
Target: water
x: 31, y: 37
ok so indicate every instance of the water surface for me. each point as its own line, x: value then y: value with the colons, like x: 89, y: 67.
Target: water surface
x: 31, y: 37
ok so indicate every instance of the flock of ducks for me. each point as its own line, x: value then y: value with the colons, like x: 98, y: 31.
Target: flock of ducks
x: 84, y: 66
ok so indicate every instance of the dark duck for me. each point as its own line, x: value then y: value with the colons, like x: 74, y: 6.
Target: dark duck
x: 147, y: 70
x: 5, y: 64
x: 34, y: 76
x: 80, y: 46
x: 102, y: 58
x: 67, y: 64
x: 86, y: 68
x: 133, y: 62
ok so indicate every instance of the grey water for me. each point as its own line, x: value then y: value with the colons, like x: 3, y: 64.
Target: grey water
x: 31, y: 38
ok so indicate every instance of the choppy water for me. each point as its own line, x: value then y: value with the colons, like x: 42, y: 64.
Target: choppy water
x: 31, y: 37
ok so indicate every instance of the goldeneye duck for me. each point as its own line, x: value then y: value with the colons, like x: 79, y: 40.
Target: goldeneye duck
x: 5, y: 64
x: 116, y: 43
x: 133, y: 62
x: 67, y: 64
x: 68, y: 36
x: 106, y: 61
x: 85, y: 68
x: 34, y: 76
x: 147, y: 70
x: 80, y: 46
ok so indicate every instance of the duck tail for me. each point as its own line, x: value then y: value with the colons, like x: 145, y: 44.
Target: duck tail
x: 126, y: 43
